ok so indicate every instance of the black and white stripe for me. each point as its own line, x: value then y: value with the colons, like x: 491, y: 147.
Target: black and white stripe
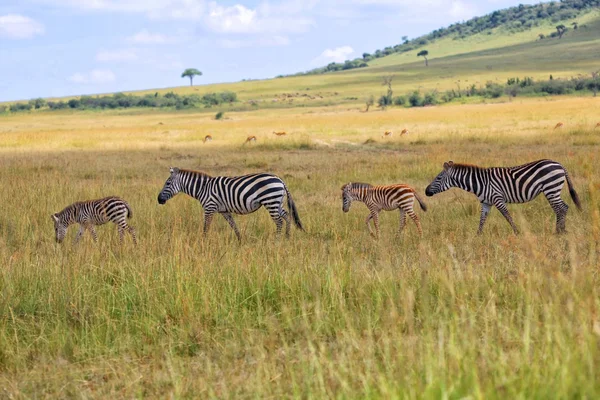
x: 90, y: 213
x: 501, y: 185
x: 233, y: 195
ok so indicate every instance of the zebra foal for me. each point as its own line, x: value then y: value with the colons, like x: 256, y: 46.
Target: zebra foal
x: 233, y: 195
x: 90, y: 213
x: 498, y: 186
x: 387, y: 198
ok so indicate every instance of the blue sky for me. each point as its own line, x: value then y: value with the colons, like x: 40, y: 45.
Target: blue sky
x: 54, y: 48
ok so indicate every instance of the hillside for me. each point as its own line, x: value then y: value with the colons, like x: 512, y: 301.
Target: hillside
x: 493, y: 55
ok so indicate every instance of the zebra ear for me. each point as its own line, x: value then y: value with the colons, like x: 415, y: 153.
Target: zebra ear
x: 54, y: 217
x: 174, y: 170
x: 448, y: 165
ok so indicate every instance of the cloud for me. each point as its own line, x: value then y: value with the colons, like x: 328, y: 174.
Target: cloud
x: 145, y: 37
x: 339, y: 54
x: 273, y: 41
x: 117, y: 55
x: 19, y: 27
x: 94, y: 76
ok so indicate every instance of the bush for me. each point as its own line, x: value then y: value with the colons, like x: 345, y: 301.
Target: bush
x: 415, y: 99
x: 219, y: 115
x: 399, y: 100
x: 430, y: 99
x: 20, y: 107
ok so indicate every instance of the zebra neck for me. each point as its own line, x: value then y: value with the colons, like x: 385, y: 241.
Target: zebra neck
x: 360, y: 194
x: 67, y: 216
x: 472, y: 180
x: 197, y: 187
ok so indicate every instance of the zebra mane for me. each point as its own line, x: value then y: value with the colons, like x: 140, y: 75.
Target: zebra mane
x: 464, y: 165
x: 191, y: 171
x: 360, y: 185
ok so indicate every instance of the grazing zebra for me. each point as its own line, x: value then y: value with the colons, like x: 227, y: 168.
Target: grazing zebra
x: 387, y: 198
x: 282, y: 133
x: 207, y: 138
x: 501, y: 185
x: 250, y: 139
x: 233, y: 195
x: 94, y: 212
x: 559, y: 125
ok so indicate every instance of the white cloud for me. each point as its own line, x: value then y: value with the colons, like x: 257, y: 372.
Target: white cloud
x: 117, y: 55
x: 19, y: 27
x: 273, y: 41
x: 339, y: 54
x: 145, y: 37
x: 94, y: 76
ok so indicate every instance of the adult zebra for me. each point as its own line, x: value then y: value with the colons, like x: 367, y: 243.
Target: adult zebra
x: 233, y: 195
x: 498, y: 186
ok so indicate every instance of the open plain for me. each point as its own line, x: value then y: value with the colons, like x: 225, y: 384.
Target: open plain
x: 328, y: 313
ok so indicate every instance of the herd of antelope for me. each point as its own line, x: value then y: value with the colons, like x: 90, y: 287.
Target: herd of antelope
x: 386, y: 134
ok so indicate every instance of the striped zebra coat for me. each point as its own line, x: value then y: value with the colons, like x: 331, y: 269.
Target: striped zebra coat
x: 499, y: 186
x: 233, y: 195
x: 387, y: 198
x: 90, y: 213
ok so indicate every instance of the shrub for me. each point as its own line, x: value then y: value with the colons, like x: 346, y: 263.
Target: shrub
x: 219, y: 115
x: 399, y: 100
x: 415, y: 99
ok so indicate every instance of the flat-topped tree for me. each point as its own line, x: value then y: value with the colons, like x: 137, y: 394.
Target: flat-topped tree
x: 190, y: 73
x: 424, y: 54
x: 561, y: 29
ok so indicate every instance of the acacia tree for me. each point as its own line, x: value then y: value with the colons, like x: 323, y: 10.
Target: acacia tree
x: 561, y: 29
x: 190, y: 73
x: 424, y: 54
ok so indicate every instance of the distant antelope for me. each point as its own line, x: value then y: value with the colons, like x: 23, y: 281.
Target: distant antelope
x: 559, y: 125
x: 597, y: 125
x: 250, y: 139
x: 387, y: 134
x: 282, y: 133
x: 404, y: 132
x: 207, y: 138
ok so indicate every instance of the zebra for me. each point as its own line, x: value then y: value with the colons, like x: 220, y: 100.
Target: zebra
x: 233, y: 195
x: 94, y: 212
x: 498, y: 186
x: 387, y: 198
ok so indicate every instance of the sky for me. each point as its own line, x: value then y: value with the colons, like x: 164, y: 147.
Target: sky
x: 52, y: 48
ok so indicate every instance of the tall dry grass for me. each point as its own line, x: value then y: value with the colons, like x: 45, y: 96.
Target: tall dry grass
x: 329, y: 313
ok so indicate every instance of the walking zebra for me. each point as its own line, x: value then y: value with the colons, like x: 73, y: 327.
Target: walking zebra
x: 94, y: 212
x: 237, y: 195
x: 387, y: 198
x: 501, y: 185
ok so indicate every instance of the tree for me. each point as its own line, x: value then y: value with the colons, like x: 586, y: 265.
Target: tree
x: 575, y: 25
x: 561, y: 29
x: 424, y: 54
x: 370, y: 101
x: 190, y: 73
x: 405, y: 39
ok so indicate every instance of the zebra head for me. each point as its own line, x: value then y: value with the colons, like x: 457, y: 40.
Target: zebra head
x: 346, y: 197
x: 60, y: 228
x: 442, y: 182
x: 171, y: 188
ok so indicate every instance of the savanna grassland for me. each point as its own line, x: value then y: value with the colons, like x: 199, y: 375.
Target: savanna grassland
x: 328, y: 313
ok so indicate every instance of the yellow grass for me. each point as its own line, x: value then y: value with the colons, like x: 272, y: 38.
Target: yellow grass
x: 329, y: 313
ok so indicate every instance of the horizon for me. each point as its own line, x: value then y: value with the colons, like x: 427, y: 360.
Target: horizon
x: 59, y: 48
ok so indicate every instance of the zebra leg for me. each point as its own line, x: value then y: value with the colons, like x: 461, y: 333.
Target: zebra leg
x: 416, y: 220
x: 229, y: 219
x: 121, y: 233
x: 501, y: 206
x: 560, y: 209
x: 132, y: 233
x: 376, y: 223
x: 286, y: 218
x: 485, y: 210
x: 93, y: 232
x: 79, y: 233
x: 402, y: 221
x: 368, y: 222
x: 207, y: 221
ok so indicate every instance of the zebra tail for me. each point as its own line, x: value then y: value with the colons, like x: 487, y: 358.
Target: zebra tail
x: 572, y: 191
x: 129, y: 212
x: 421, y: 203
x: 293, y: 209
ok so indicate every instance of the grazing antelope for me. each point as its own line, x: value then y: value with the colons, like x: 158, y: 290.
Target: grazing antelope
x: 387, y: 198
x: 282, y: 133
x: 404, y: 132
x: 559, y: 125
x: 597, y: 125
x: 234, y: 195
x: 90, y: 213
x: 207, y: 138
x: 387, y: 134
x: 250, y: 139
x: 501, y: 185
